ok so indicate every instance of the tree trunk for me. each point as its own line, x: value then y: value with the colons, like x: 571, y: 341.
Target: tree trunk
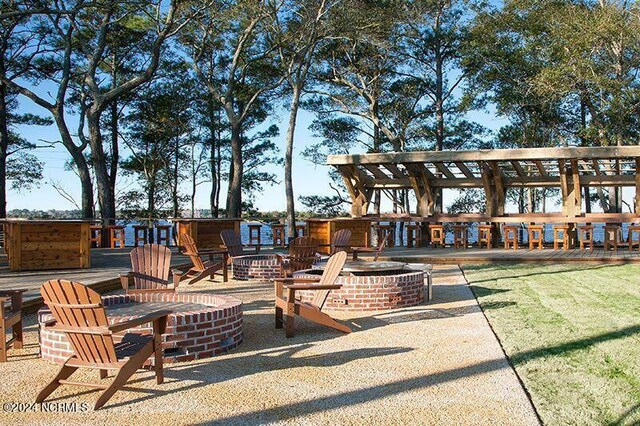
x: 4, y: 148
x: 174, y: 187
x: 439, y: 110
x: 106, y: 198
x: 212, y: 157
x: 115, y: 156
x: 234, y: 198
x: 288, y: 162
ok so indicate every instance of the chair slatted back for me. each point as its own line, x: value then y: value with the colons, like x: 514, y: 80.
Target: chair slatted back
x: 152, y: 262
x: 340, y: 241
x: 329, y: 275
x: 302, y: 253
x: 232, y: 242
x: 381, y: 246
x: 77, y: 307
x: 191, y: 250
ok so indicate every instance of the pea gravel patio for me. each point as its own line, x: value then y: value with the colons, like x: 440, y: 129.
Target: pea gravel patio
x: 436, y: 363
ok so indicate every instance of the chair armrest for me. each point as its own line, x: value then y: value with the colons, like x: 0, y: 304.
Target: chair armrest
x: 314, y: 286
x: 177, y: 277
x: 139, y: 321
x: 365, y: 249
x: 124, y: 280
x: 12, y: 292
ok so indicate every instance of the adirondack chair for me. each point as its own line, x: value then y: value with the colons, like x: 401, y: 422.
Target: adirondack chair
x: 341, y: 241
x: 302, y: 253
x: 322, y: 286
x: 150, y: 266
x: 376, y: 250
x: 79, y: 313
x: 202, y: 268
x: 10, y: 319
x: 233, y: 244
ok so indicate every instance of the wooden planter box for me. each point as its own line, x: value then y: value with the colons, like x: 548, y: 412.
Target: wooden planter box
x: 205, y: 232
x: 40, y: 245
x: 323, y: 230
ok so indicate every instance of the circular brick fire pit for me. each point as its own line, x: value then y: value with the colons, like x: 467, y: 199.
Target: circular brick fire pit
x: 375, y: 291
x: 201, y: 325
x: 261, y: 267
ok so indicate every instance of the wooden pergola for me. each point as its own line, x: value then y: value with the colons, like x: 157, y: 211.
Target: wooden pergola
x: 495, y: 171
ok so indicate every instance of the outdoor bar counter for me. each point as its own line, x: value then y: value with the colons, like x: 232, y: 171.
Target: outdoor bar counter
x: 34, y: 245
x: 323, y: 229
x: 205, y: 231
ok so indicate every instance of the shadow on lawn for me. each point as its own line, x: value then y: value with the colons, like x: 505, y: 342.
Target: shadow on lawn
x: 528, y: 274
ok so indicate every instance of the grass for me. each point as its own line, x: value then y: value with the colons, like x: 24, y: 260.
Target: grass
x: 572, y: 333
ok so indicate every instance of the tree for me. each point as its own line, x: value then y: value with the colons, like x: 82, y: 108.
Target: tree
x: 233, y: 57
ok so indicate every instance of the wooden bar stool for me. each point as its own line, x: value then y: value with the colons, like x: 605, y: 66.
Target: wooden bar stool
x: 277, y: 229
x: 254, y: 234
x: 561, y: 236
x: 116, y: 236
x: 510, y: 236
x: 536, y: 236
x: 390, y: 230
x: 634, y: 229
x: 484, y: 235
x: 95, y: 235
x: 414, y: 235
x: 611, y: 236
x: 137, y: 237
x: 437, y: 235
x: 162, y: 235
x: 460, y: 236
x: 10, y: 318
x: 301, y: 230
x: 585, y: 232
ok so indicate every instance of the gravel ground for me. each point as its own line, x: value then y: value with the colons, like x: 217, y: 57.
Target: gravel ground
x: 438, y: 363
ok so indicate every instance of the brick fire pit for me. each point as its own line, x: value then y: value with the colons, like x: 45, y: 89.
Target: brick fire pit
x: 372, y: 290
x: 261, y: 267
x: 201, y: 325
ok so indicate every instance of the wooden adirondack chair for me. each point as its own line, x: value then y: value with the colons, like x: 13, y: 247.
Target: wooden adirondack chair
x: 150, y: 266
x: 233, y: 244
x: 79, y: 313
x: 311, y: 311
x: 302, y: 253
x: 377, y: 250
x: 202, y: 268
x: 341, y: 241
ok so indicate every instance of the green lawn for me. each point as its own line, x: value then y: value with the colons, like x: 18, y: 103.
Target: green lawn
x: 573, y: 334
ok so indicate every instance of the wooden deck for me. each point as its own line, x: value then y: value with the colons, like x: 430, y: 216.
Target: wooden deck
x: 449, y: 255
x: 106, y: 265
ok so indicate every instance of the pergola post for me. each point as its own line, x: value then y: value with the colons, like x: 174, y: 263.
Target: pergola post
x: 360, y: 194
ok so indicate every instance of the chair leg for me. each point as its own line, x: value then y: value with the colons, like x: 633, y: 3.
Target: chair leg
x: 63, y: 374
x: 3, y: 343
x: 279, y: 317
x: 104, y: 374
x: 289, y: 320
x: 159, y: 366
x: 17, y: 335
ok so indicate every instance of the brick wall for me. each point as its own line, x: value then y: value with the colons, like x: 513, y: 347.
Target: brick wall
x: 372, y: 293
x: 213, y: 326
x: 262, y: 267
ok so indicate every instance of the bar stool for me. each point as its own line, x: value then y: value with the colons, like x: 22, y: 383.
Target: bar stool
x: 144, y: 238
x: 536, y: 236
x: 162, y: 235
x: 414, y: 235
x: 510, y: 236
x: 585, y: 232
x: 95, y: 235
x: 484, y: 235
x: 254, y: 234
x: 384, y: 230
x: 277, y: 229
x: 632, y: 242
x: 561, y: 236
x: 611, y: 236
x: 301, y: 230
x: 116, y: 236
x: 437, y: 234
x: 460, y: 236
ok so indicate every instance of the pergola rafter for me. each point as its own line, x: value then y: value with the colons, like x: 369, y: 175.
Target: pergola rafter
x: 569, y: 168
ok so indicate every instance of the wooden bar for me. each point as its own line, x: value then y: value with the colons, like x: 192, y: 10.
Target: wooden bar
x: 323, y: 229
x: 37, y: 245
x: 205, y: 231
